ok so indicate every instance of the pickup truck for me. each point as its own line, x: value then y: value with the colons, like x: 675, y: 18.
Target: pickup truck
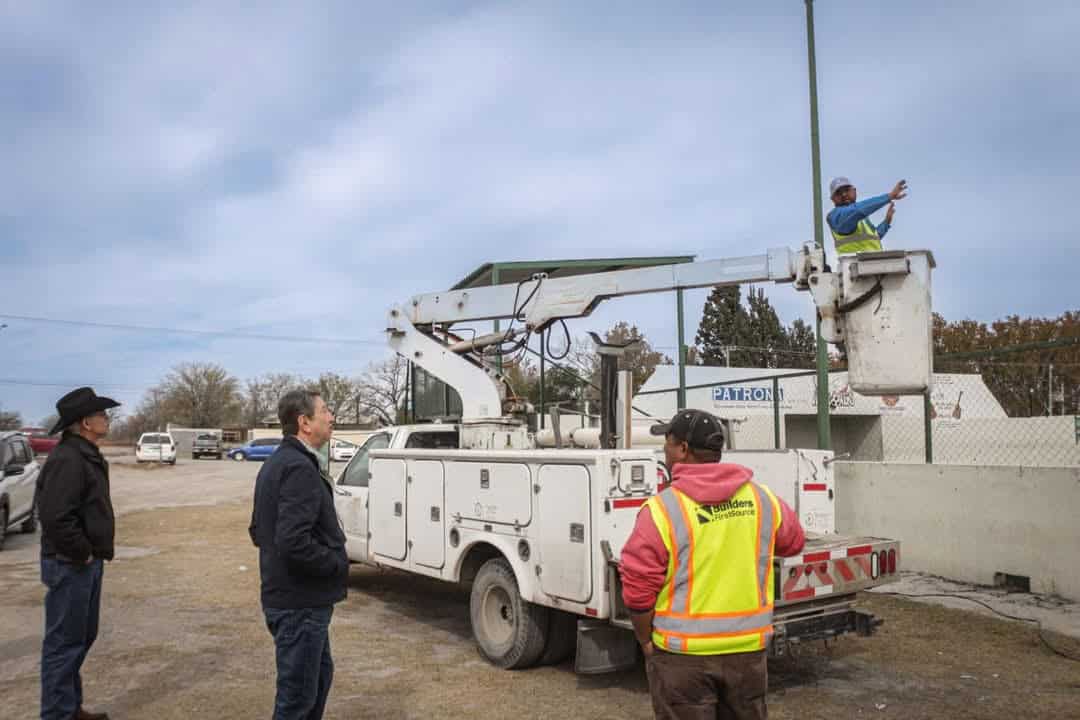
x: 41, y: 442
x: 537, y: 534
x: 206, y: 444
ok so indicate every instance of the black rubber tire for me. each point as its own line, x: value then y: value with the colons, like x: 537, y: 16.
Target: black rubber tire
x: 29, y: 525
x: 3, y: 525
x: 561, y: 639
x: 510, y: 633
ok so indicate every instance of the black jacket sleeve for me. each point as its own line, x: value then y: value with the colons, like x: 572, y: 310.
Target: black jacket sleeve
x: 59, y: 503
x: 299, y: 502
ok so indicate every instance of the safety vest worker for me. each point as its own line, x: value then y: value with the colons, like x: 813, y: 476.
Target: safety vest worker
x: 849, y: 221
x: 697, y: 575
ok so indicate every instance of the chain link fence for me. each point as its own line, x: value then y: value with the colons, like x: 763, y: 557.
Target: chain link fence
x: 1014, y: 405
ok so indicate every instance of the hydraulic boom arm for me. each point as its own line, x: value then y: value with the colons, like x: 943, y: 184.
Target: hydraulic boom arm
x: 577, y: 296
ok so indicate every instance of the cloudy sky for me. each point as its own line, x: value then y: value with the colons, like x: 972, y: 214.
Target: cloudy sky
x: 293, y: 168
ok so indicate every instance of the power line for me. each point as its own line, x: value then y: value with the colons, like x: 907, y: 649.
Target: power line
x: 184, y: 331
x: 39, y: 383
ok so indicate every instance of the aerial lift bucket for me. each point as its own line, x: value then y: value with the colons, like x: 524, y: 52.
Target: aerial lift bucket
x: 886, y: 311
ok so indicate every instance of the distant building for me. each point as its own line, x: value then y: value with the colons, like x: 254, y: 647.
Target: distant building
x: 969, y: 424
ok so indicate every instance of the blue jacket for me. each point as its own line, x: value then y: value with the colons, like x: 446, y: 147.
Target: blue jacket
x: 302, y: 560
x: 844, y: 219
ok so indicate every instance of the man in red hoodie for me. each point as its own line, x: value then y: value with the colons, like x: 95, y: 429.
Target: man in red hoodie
x: 697, y: 577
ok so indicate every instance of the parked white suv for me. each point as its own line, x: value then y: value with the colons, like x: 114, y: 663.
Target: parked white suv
x: 18, y: 479
x: 342, y: 450
x: 156, y: 447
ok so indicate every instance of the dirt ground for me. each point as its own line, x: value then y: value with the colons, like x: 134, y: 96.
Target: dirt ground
x: 182, y: 636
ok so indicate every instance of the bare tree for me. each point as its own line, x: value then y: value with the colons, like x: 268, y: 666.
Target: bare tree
x: 340, y: 394
x: 381, y: 390
x: 263, y: 394
x: 201, y: 395
x: 10, y: 420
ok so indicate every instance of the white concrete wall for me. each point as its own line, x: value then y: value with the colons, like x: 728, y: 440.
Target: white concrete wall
x: 968, y: 522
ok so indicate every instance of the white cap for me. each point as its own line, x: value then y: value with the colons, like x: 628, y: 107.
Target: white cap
x: 837, y: 183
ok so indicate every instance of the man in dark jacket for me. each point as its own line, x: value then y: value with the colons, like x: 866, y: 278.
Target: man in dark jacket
x: 302, y: 559
x: 77, y: 531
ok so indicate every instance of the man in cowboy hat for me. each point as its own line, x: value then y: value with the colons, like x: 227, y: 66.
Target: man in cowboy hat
x: 77, y: 529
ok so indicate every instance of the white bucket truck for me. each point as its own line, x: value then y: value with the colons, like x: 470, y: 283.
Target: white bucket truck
x: 537, y: 532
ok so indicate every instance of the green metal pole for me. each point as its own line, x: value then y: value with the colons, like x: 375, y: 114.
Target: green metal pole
x: 681, y: 348
x: 928, y: 429
x: 776, y: 412
x: 824, y: 432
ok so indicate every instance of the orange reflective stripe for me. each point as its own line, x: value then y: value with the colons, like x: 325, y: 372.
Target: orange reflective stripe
x: 673, y: 561
x: 680, y: 543
x: 689, y: 554
x: 757, y: 545
x: 766, y: 534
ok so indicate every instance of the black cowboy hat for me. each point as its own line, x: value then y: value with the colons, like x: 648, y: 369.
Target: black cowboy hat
x: 77, y: 404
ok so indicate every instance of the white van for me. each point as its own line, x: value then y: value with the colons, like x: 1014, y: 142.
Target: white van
x: 156, y: 447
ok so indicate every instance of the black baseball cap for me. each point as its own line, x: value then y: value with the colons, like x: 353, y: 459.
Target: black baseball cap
x: 696, y: 428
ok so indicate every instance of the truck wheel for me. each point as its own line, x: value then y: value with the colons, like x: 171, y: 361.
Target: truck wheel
x: 561, y: 639
x: 510, y: 632
x: 30, y: 524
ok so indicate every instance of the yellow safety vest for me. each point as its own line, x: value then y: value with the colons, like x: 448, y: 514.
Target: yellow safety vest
x: 864, y: 239
x: 717, y: 597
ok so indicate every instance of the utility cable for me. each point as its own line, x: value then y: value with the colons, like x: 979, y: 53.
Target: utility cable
x: 183, y: 331
x: 585, y: 381
x: 1038, y: 623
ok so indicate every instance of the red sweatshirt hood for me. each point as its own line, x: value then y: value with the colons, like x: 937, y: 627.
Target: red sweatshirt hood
x: 710, y: 482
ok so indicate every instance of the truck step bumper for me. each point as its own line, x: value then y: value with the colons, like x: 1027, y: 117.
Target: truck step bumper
x: 822, y: 627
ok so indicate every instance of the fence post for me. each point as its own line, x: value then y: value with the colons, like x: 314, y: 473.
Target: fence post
x: 776, y: 411
x: 928, y: 429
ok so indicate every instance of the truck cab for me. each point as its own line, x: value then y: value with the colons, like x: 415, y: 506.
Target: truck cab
x: 352, y: 484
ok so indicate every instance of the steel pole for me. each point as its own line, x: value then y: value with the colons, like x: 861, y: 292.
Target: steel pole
x: 776, y: 411
x: 681, y: 349
x: 928, y: 429
x: 543, y: 354
x: 824, y: 432
x: 495, y: 328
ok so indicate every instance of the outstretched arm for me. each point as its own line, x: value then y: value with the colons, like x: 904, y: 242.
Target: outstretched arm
x: 844, y: 219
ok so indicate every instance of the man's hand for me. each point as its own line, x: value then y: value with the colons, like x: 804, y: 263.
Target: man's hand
x: 889, y: 213
x: 899, y: 191
x: 648, y: 649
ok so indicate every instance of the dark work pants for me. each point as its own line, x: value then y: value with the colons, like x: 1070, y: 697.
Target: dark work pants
x: 723, y: 687
x: 305, y: 669
x: 72, y: 610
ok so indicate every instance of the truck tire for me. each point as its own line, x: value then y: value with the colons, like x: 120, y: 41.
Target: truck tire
x: 561, y: 639
x: 510, y: 632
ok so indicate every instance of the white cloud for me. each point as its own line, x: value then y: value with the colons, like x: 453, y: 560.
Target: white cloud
x: 298, y: 169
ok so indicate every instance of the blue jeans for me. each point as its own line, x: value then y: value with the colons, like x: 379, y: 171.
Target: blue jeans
x: 304, y: 666
x: 72, y: 609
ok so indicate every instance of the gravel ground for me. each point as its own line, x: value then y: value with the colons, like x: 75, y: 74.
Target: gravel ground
x: 182, y: 636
